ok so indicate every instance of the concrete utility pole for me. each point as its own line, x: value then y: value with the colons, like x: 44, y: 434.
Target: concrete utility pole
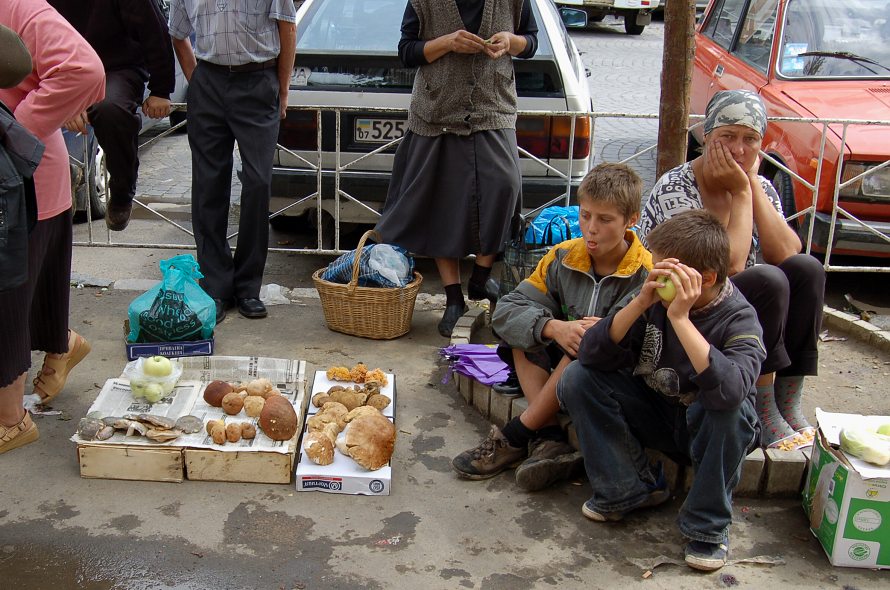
x: 676, y: 78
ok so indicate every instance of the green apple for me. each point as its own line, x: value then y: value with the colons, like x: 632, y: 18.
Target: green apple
x: 157, y: 366
x: 138, y: 388
x: 884, y: 429
x: 667, y: 291
x: 153, y: 392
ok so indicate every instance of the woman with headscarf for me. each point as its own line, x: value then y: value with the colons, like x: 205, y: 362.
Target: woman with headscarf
x: 456, y: 180
x: 788, y: 290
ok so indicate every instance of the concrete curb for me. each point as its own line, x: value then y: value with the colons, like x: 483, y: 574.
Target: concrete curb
x: 771, y: 473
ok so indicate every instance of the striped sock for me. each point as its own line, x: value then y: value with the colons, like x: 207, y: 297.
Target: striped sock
x: 789, y: 391
x: 774, y: 426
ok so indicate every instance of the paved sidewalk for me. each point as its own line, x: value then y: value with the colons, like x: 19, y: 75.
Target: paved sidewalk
x: 434, y: 531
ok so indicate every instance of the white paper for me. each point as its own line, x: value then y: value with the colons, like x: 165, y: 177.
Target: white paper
x: 831, y: 423
x: 321, y: 384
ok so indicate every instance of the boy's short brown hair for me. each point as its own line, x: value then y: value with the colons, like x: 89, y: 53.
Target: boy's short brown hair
x: 696, y: 238
x: 616, y: 184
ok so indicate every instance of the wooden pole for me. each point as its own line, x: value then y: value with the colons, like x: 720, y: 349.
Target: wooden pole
x: 676, y: 78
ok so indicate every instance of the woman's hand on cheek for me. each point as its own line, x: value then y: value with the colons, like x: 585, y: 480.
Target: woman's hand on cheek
x: 724, y: 169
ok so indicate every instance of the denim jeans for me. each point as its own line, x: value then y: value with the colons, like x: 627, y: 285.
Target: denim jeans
x: 616, y: 416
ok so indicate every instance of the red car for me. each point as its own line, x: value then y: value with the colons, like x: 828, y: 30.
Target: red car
x: 822, y: 59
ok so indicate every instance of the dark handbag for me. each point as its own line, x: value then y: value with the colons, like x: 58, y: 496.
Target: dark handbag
x: 521, y: 257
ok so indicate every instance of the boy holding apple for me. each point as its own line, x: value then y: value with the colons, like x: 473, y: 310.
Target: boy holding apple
x: 543, y: 319
x: 677, y: 376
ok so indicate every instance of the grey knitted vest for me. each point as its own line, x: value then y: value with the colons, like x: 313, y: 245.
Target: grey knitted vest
x: 461, y: 93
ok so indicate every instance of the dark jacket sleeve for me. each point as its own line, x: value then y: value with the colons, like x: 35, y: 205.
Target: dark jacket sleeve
x: 732, y: 370
x: 597, y: 349
x: 411, y: 45
x: 528, y: 28
x: 145, y: 24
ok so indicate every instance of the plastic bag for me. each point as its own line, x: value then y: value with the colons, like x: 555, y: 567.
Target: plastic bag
x: 175, y: 309
x: 554, y: 225
x: 393, y: 267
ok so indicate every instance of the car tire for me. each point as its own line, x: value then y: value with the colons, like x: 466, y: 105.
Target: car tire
x: 631, y: 27
x: 781, y: 181
x: 97, y: 193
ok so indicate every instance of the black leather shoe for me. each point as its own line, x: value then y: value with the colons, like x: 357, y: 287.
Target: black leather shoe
x: 251, y: 307
x: 221, y: 307
x: 449, y: 318
x: 117, y: 216
x: 490, y: 290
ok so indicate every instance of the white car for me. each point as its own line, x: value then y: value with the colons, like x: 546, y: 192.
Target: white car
x: 347, y: 59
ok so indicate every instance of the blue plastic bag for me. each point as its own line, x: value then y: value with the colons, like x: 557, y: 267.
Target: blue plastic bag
x: 554, y: 225
x: 176, y: 309
x: 393, y: 268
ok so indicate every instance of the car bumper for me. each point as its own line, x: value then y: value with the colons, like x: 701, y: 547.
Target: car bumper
x: 371, y: 188
x: 849, y: 236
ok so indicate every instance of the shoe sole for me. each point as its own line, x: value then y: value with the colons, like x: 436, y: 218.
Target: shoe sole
x: 703, y: 564
x: 21, y: 440
x: 481, y: 476
x: 546, y: 472
x: 656, y: 498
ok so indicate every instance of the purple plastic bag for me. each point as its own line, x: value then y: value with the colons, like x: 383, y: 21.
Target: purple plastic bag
x: 478, y: 361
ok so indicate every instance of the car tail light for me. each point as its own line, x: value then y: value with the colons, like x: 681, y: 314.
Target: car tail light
x: 548, y: 137
x: 299, y: 131
x: 560, y: 134
x: 874, y: 186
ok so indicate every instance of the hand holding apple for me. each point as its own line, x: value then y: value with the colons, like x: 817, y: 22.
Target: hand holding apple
x: 668, y: 290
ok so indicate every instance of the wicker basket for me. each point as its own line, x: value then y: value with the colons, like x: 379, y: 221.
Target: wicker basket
x: 370, y: 312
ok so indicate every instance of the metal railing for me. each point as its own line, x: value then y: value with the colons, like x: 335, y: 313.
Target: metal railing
x: 564, y: 173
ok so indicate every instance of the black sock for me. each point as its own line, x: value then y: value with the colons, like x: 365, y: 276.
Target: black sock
x: 552, y: 432
x: 480, y: 275
x: 454, y: 295
x: 517, y: 433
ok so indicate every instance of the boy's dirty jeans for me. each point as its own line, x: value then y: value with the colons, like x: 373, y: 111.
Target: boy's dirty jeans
x: 616, y: 416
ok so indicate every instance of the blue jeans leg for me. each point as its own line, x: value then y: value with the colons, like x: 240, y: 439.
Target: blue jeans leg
x: 718, y: 444
x: 615, y: 414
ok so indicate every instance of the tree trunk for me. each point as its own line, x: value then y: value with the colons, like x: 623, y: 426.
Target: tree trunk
x: 676, y: 77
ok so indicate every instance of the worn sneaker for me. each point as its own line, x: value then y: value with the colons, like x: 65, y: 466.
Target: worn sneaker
x: 707, y: 557
x: 493, y: 456
x: 510, y: 386
x: 659, y: 494
x: 548, y: 462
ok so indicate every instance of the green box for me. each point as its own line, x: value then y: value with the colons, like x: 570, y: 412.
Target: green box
x: 850, y: 515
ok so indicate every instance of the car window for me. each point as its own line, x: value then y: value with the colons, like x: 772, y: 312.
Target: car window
x: 366, y: 26
x: 723, y: 20
x: 562, y: 32
x: 756, y: 34
x: 822, y: 39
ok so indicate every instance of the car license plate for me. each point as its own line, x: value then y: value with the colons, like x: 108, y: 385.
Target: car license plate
x: 379, y: 130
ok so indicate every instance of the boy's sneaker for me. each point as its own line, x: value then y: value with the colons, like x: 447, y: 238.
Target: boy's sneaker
x: 548, y: 462
x: 493, y: 456
x: 659, y: 494
x: 707, y: 557
x: 510, y: 386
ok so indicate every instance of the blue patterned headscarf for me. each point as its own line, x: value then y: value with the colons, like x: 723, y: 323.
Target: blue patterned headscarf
x: 736, y: 107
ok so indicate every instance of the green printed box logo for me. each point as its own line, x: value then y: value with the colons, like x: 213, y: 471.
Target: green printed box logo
x: 859, y: 552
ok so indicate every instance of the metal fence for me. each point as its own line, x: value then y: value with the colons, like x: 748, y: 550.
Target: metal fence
x: 340, y: 197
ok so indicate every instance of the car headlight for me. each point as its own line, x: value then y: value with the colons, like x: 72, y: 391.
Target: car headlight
x: 875, y: 185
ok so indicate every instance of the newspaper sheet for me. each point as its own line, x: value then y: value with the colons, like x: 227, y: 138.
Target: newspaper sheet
x: 187, y: 397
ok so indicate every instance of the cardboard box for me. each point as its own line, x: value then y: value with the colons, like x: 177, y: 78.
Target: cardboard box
x: 168, y: 349
x: 321, y: 383
x: 195, y: 456
x: 343, y: 476
x: 847, y: 500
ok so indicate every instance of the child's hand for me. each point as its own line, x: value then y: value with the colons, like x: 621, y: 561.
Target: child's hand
x: 497, y: 45
x: 568, y: 334
x: 648, y: 294
x: 687, y: 281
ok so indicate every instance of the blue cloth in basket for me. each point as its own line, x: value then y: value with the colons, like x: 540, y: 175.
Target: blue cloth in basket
x: 391, y: 266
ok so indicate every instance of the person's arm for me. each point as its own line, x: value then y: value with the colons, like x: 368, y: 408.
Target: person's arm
x: 460, y: 41
x: 410, y: 43
x: 70, y: 74
x: 724, y: 172
x: 778, y: 241
x: 144, y: 23
x: 287, y: 33
x: 186, y: 56
x: 688, y: 283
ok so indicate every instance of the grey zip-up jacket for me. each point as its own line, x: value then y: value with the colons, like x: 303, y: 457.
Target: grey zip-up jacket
x: 563, y: 287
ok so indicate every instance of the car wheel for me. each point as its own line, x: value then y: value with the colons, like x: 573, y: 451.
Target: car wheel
x: 97, y: 192
x: 177, y: 117
x: 782, y: 183
x: 631, y: 27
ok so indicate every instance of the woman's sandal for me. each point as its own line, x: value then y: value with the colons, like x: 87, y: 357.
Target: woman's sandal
x: 13, y: 437
x: 52, y: 376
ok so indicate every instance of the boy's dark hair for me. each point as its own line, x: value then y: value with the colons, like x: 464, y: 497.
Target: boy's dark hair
x: 696, y: 238
x: 616, y: 184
